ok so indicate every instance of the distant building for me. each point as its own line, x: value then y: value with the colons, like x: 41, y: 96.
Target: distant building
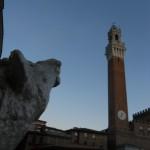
x: 42, y: 137
x: 88, y: 137
x: 121, y: 134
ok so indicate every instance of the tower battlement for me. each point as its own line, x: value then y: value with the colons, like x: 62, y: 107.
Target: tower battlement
x: 143, y: 115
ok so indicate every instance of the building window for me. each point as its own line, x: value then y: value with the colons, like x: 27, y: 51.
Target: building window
x: 37, y: 140
x: 93, y: 136
x: 75, y: 141
x: 85, y: 142
x: 85, y: 135
x: 76, y: 133
x: 41, y: 139
x: 148, y: 131
x: 33, y: 139
x: 101, y: 147
x: 141, y: 130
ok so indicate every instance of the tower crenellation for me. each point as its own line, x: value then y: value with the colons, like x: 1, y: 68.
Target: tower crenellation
x: 142, y: 116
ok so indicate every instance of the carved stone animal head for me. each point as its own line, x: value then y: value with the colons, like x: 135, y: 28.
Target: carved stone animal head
x: 24, y: 94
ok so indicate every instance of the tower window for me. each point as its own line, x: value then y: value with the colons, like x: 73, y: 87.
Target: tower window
x: 116, y: 37
x: 118, y: 60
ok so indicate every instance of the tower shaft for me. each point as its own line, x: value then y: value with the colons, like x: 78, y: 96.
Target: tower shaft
x: 117, y: 98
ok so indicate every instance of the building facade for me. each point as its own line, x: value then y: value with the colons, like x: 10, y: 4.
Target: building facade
x: 88, y: 137
x: 42, y: 137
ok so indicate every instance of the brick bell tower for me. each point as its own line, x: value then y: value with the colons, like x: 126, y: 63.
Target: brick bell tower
x: 117, y: 98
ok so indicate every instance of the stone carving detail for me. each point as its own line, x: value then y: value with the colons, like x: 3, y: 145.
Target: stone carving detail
x: 24, y: 94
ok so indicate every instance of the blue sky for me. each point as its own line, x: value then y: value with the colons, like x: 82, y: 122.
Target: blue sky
x: 75, y: 32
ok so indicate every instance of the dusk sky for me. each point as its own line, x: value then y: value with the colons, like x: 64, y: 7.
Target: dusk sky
x: 75, y: 32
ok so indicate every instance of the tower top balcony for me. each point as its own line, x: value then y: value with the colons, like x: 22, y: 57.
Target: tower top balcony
x: 115, y: 46
x: 114, y: 34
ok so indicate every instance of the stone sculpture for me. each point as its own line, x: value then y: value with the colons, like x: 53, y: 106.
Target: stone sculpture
x: 24, y: 94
